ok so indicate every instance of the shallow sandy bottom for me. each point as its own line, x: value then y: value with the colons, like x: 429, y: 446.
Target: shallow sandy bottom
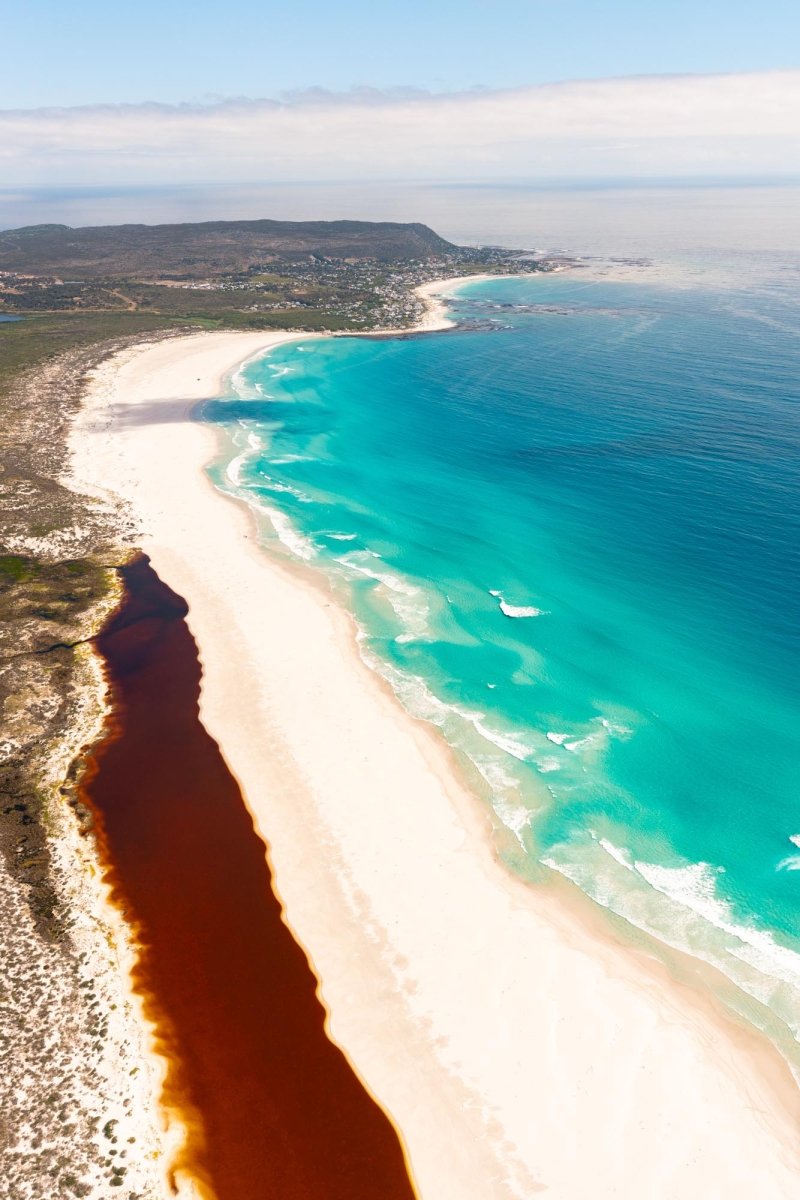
x: 518, y: 1051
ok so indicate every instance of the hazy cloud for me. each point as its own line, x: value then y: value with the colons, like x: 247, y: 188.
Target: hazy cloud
x: 657, y: 125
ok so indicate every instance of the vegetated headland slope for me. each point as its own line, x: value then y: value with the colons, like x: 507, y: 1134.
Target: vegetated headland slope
x: 81, y: 294
x: 210, y: 247
x: 311, y: 275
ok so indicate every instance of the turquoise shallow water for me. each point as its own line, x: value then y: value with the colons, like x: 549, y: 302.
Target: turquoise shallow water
x: 571, y: 538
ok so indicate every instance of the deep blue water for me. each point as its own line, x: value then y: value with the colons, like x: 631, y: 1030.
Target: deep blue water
x: 617, y: 463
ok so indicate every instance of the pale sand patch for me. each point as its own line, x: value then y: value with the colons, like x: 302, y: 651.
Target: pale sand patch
x: 517, y: 1051
x: 437, y: 315
x: 436, y: 293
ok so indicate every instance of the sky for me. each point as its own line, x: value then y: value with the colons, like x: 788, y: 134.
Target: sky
x: 158, y: 92
x: 111, y: 51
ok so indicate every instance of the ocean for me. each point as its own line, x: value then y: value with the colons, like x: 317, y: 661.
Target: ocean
x: 569, y: 531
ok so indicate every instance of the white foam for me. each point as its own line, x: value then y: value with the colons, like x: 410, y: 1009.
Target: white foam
x: 615, y: 728
x: 575, y: 743
x: 513, y: 610
x: 547, y: 765
x: 246, y: 390
x: 274, y: 485
x: 497, y: 775
x: 233, y: 471
x: 516, y: 610
x: 291, y: 538
x: 515, y: 817
x: 412, y: 690
x: 418, y: 697
x: 504, y: 741
x: 792, y: 861
x: 415, y: 695
x: 240, y: 385
x: 407, y: 600
x: 621, y: 856
x: 341, y: 537
x: 752, y: 958
x: 693, y: 887
x: 591, y: 739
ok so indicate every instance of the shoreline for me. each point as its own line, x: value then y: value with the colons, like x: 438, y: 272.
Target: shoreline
x: 402, y: 984
x: 435, y: 294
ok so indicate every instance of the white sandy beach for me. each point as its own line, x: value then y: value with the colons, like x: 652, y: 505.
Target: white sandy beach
x: 435, y: 294
x: 518, y: 1051
x: 437, y: 314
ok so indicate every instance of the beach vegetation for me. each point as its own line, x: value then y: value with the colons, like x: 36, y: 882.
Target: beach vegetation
x: 14, y: 568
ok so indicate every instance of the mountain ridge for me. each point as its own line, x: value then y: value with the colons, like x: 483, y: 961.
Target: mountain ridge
x: 208, y: 248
